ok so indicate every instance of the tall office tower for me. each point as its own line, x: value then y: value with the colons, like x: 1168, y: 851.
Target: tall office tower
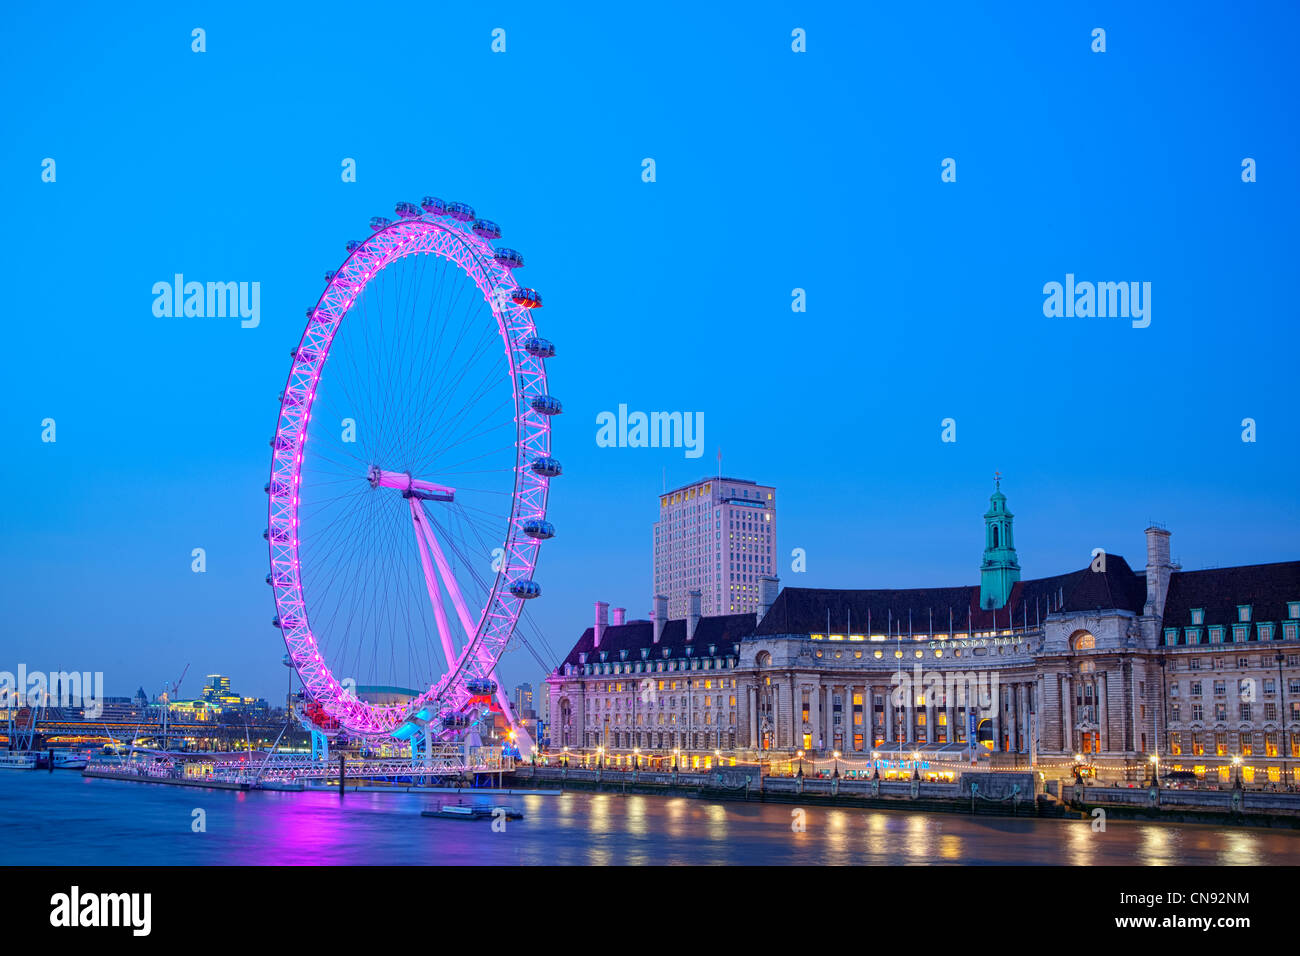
x: 523, y: 699
x: 716, y: 536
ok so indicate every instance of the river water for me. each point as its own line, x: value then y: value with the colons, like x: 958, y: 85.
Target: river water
x: 63, y: 818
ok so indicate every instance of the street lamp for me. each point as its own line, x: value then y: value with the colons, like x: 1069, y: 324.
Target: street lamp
x: 800, y: 756
x: 916, y: 765
x: 1155, y: 769
x: 875, y: 760
x: 1236, y: 763
x: 636, y: 757
x: 836, y: 755
x: 676, y: 754
x: 565, y: 755
x: 600, y: 758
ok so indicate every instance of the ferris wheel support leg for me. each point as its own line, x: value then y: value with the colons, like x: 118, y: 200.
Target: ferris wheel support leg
x: 522, y: 738
x: 431, y: 581
x: 448, y: 579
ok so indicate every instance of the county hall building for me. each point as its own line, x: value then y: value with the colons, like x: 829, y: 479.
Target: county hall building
x: 1111, y: 668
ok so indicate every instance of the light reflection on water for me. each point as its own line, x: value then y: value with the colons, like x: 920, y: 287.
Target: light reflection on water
x: 1080, y: 840
x: 62, y: 818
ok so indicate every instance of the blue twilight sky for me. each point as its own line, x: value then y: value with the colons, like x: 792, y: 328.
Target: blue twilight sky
x: 775, y: 170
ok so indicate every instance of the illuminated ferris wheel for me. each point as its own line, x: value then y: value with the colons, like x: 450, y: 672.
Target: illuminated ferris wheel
x: 410, y: 471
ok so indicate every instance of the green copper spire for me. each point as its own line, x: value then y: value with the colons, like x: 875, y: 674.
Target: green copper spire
x: 1000, y: 568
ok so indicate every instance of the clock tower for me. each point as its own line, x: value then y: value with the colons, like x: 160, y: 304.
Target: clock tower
x: 1000, y: 568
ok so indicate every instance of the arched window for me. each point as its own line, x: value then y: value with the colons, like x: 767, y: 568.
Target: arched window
x: 995, y: 536
x: 1084, y: 641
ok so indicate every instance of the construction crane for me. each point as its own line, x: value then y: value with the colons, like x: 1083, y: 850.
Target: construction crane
x: 176, y: 687
x: 167, y: 698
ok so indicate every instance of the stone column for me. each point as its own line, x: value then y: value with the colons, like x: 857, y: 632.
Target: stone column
x: 1042, y: 725
x: 1067, y: 715
x: 796, y: 713
x: 1103, y: 710
x: 889, y: 717
x: 828, y: 722
x: 580, y: 711
x: 1008, y: 713
x: 1137, y: 711
x: 909, y: 735
x: 1012, y: 719
x: 751, y: 698
x: 1013, y: 702
x: 997, y: 719
x: 1022, y: 717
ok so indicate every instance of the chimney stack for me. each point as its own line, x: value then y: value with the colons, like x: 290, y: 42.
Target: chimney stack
x: 769, y: 587
x: 659, y: 615
x: 602, y: 620
x: 1158, y: 571
x: 692, y: 612
x: 620, y: 616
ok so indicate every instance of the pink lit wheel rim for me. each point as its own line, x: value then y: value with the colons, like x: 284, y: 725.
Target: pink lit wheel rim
x: 409, y: 474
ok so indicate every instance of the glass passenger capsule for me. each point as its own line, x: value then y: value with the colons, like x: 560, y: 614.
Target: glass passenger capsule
x: 460, y: 211
x: 546, y: 466
x: 539, y: 347
x: 509, y: 258
x: 546, y: 405
x: 527, y: 590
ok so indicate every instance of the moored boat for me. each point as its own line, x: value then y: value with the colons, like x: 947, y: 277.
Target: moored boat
x: 70, y: 760
x: 17, y: 760
x: 459, y: 811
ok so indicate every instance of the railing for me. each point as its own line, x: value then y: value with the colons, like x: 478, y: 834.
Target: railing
x: 731, y: 778
x: 1227, y: 800
x: 443, y: 761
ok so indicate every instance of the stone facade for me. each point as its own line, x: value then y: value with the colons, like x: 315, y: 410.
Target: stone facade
x: 1086, y: 663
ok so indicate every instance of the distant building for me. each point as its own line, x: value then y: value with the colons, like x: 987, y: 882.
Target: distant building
x: 216, y: 699
x: 523, y: 699
x: 715, y: 537
x: 217, y: 691
x: 116, y: 709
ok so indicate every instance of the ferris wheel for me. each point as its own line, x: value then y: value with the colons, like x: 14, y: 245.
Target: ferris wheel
x: 410, y: 471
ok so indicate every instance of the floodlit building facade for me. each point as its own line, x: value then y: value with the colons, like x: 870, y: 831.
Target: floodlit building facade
x: 1102, y: 668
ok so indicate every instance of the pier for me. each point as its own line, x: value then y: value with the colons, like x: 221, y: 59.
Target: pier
x: 292, y: 771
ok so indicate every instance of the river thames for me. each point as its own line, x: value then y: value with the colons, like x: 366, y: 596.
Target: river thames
x: 63, y: 818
